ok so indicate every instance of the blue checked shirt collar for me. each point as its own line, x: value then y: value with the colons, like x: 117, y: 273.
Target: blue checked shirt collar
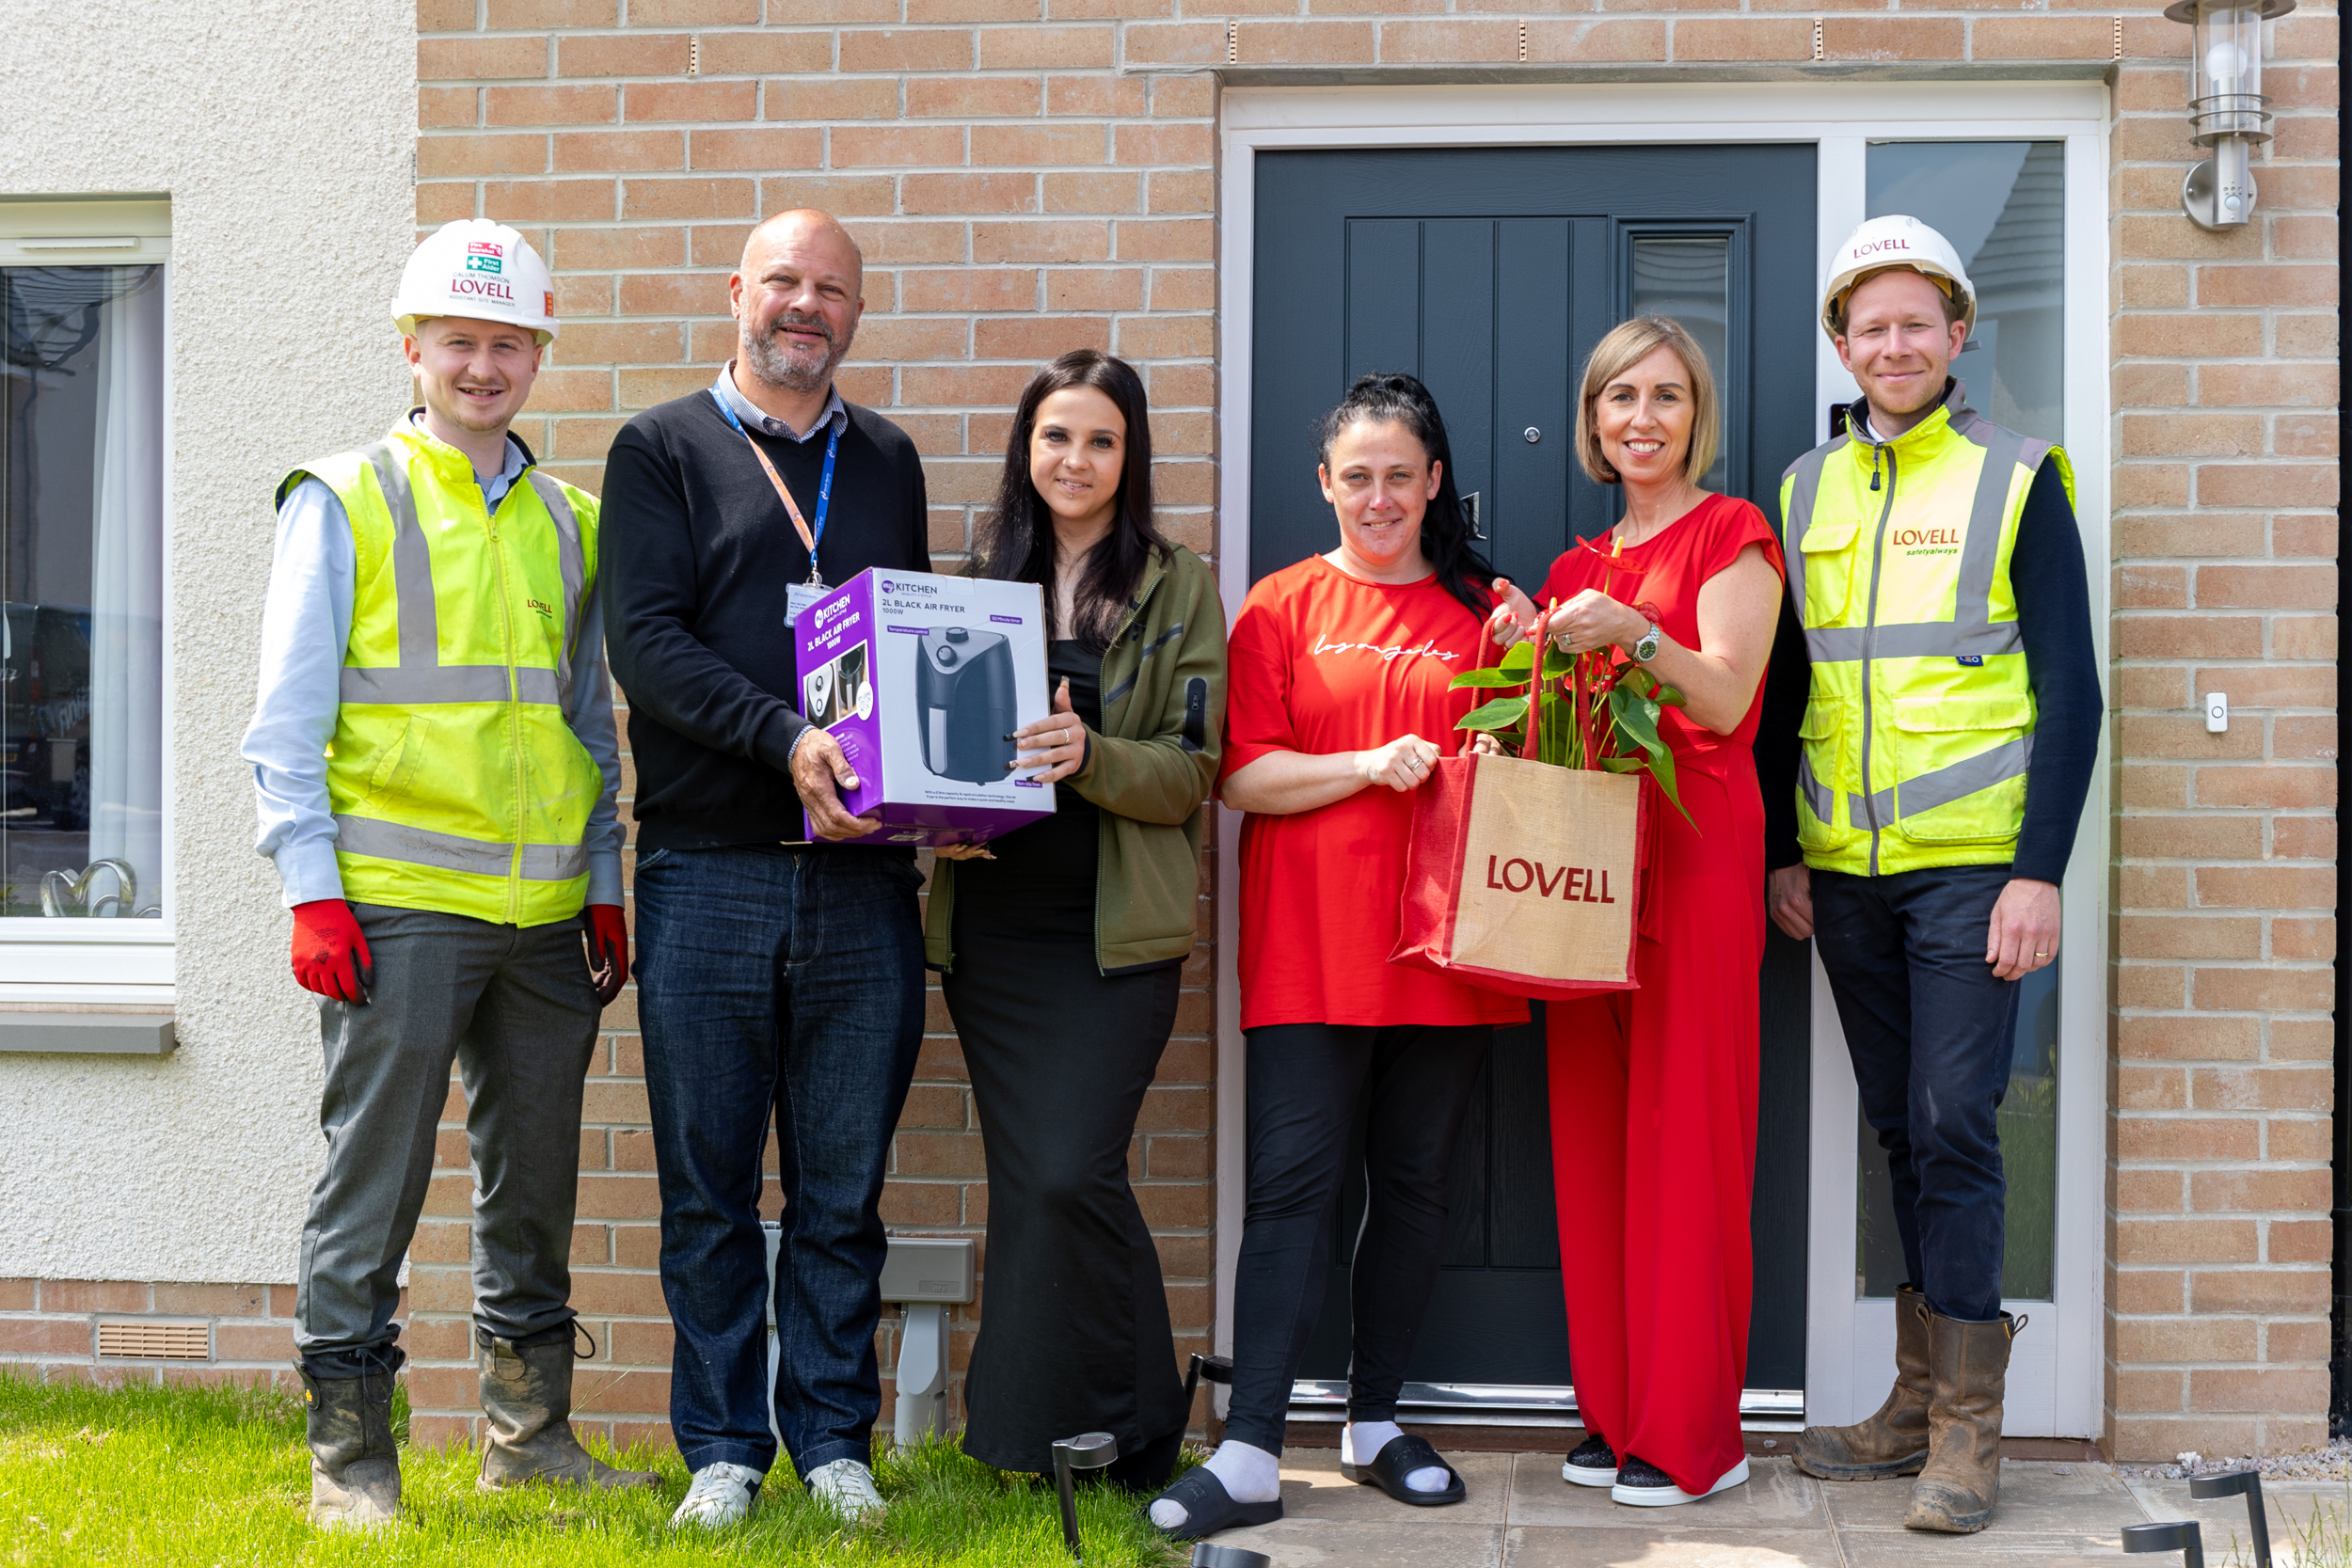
x: 834, y: 416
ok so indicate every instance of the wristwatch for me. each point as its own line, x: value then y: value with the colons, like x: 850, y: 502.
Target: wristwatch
x: 1646, y: 649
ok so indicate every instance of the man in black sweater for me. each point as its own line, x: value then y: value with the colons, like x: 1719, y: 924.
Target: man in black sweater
x: 775, y: 974
x: 1931, y: 722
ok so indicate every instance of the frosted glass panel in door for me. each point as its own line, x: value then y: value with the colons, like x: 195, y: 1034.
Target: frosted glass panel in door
x: 1690, y: 281
x: 2002, y: 205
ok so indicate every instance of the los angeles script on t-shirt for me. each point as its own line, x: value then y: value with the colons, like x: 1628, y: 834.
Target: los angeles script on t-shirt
x: 1419, y: 650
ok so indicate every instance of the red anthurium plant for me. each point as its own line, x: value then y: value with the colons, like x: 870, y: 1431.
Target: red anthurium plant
x: 1596, y: 709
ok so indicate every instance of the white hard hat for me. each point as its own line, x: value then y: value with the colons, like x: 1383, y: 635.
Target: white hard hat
x: 1882, y: 244
x: 477, y: 268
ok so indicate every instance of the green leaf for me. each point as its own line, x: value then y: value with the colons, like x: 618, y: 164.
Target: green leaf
x: 1488, y: 676
x: 1556, y: 662
x: 1640, y: 680
x: 1623, y: 765
x: 1517, y: 659
x: 1498, y: 714
x: 1668, y: 696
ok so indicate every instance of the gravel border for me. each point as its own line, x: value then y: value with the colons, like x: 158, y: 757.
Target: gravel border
x: 2332, y: 1463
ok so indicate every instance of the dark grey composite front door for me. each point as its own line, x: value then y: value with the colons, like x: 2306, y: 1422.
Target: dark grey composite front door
x: 1490, y: 273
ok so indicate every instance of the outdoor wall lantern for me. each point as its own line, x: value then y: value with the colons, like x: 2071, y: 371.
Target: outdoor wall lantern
x: 2227, y: 110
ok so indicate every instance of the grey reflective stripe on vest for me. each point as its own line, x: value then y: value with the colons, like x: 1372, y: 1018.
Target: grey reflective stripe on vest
x: 2011, y: 759
x: 1800, y: 498
x: 392, y: 841
x: 1972, y: 630
x: 1822, y: 799
x: 421, y: 677
x: 418, y: 612
x: 444, y: 683
x: 573, y: 564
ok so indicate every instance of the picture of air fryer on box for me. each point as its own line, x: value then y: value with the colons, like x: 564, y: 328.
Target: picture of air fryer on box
x: 922, y: 679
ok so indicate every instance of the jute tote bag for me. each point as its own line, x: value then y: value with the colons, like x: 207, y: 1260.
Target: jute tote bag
x: 1525, y: 878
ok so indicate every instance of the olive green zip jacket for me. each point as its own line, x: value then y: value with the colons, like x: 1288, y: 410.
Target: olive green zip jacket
x: 1149, y: 770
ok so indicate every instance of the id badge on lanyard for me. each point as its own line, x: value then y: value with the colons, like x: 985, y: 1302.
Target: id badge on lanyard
x: 799, y: 596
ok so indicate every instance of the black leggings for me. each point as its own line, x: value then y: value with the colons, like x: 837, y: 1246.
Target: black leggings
x: 1304, y: 1080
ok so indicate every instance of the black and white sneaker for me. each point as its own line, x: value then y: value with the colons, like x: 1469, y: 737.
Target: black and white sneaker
x: 1645, y: 1485
x: 1592, y: 1464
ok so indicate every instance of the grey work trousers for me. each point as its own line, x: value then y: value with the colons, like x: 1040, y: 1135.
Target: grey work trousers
x: 513, y: 1006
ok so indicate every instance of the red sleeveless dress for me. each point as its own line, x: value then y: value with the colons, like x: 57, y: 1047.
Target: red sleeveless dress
x: 1653, y: 1090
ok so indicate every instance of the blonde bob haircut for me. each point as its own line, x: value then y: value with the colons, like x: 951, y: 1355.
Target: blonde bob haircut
x: 1626, y: 345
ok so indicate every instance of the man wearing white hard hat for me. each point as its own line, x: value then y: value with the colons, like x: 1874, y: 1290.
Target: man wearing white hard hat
x: 432, y: 748
x: 1927, y: 745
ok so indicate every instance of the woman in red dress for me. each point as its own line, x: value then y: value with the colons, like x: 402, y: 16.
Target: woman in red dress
x: 1653, y: 1090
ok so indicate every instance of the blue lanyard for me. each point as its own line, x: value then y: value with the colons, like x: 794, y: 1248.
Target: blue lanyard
x: 809, y: 537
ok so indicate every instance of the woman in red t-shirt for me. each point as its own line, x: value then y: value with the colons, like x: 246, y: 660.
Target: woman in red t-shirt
x: 1653, y: 1090
x: 1337, y: 705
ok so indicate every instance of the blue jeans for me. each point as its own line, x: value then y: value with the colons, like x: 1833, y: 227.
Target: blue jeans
x: 1931, y: 1034
x: 784, y: 981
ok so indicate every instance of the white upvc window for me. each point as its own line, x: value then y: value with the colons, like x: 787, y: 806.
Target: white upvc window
x: 85, y: 878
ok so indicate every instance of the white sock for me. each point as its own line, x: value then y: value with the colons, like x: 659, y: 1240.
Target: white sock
x: 1248, y: 1474
x: 1360, y: 1442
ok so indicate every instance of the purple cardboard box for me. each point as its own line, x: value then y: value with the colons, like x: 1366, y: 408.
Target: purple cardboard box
x: 922, y: 679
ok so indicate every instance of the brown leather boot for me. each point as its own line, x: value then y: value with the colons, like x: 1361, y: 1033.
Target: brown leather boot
x: 1969, y: 1369
x: 355, y: 1469
x: 526, y: 1395
x: 1894, y: 1442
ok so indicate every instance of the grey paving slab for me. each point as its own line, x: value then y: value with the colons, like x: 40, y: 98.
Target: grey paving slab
x: 1560, y: 1546
x: 2058, y: 1499
x: 1904, y: 1548
x: 1410, y: 1541
x: 1777, y: 1496
x: 1313, y: 1488
x: 2289, y: 1506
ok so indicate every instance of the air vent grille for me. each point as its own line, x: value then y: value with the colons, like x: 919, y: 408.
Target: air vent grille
x: 151, y: 1341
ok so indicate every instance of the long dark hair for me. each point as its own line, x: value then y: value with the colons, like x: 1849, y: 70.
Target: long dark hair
x: 1019, y: 544
x: 1445, y: 531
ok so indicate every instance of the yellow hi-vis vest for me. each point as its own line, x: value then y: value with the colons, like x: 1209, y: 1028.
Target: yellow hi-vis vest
x: 455, y: 781
x: 1918, y: 731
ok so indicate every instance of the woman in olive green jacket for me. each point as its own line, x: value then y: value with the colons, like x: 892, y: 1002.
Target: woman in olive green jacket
x: 1062, y: 942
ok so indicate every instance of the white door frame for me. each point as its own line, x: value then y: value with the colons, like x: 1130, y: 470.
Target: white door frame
x: 1848, y: 1349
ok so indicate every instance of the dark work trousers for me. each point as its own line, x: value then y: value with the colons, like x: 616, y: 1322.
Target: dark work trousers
x: 1931, y: 1033
x: 1304, y: 1080
x: 515, y: 1008
x: 775, y: 986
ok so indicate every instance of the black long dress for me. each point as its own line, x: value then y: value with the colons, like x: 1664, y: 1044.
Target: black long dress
x: 1074, y: 1329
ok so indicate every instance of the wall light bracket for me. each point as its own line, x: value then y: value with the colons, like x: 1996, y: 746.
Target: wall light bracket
x: 2227, y: 110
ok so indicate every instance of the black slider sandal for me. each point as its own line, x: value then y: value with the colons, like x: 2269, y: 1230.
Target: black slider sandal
x: 1399, y: 1457
x: 1209, y: 1508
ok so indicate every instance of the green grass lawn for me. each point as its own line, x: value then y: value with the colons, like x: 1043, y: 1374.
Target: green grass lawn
x: 206, y: 1476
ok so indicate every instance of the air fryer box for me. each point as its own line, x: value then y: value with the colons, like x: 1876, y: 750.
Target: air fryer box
x: 921, y: 679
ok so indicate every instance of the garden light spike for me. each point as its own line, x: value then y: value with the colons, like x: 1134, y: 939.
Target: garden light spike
x: 2181, y: 1536
x: 2250, y: 1484
x: 1210, y: 1555
x: 1091, y: 1451
x: 1217, y: 1368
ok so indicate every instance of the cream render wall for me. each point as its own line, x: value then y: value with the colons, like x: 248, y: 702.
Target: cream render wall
x: 283, y: 135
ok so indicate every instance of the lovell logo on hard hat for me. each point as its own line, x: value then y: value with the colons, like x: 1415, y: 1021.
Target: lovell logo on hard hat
x: 481, y: 257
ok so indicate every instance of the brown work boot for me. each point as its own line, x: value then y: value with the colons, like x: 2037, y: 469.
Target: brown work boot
x: 354, y: 1470
x: 526, y: 1395
x: 1894, y: 1442
x: 1969, y: 1369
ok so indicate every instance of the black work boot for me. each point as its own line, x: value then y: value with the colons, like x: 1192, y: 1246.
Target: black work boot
x: 527, y: 1396
x: 354, y: 1470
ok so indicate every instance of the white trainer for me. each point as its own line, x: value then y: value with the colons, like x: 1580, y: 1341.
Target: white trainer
x: 846, y: 1487
x: 722, y: 1496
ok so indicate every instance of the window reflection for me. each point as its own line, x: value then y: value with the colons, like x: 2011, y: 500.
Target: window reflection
x: 1690, y: 281
x: 81, y: 592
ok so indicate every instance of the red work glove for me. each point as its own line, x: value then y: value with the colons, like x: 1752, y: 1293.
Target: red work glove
x: 330, y: 952
x: 607, y: 952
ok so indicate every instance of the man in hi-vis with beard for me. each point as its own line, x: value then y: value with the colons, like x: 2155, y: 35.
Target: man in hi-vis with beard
x: 778, y: 979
